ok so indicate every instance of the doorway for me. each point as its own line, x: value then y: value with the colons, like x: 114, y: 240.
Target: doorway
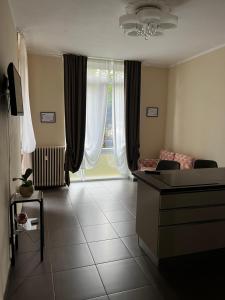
x: 105, y: 149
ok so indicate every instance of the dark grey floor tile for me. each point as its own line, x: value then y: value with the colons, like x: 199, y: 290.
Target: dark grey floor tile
x: 99, y: 193
x: 119, y: 216
x: 59, y: 211
x: 29, y: 264
x: 145, y: 293
x: 77, y: 200
x: 110, y: 205
x: 60, y: 196
x: 35, y: 288
x: 55, y: 203
x: 124, y: 229
x: 101, y: 196
x: 62, y: 191
x: 100, y: 298
x: 79, y: 194
x: 99, y: 232
x: 87, y: 209
x: 29, y: 279
x: 29, y: 241
x: 109, y: 250
x: 131, y: 243
x: 156, y: 278
x: 92, y: 218
x: 69, y: 257
x: 130, y: 201
x: 116, y: 186
x: 65, y: 237
x: 148, y: 268
x: 83, y: 206
x: 123, y: 193
x: 133, y: 211
x: 121, y: 276
x: 98, y: 190
x: 56, y: 222
x: 78, y: 284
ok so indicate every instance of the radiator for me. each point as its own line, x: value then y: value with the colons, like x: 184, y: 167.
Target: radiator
x: 48, y: 166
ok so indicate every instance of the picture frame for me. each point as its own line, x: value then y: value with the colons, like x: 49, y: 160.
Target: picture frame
x: 48, y: 117
x: 152, y: 111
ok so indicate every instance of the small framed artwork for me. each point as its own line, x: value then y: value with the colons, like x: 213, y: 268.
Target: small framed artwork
x: 48, y: 117
x: 152, y: 111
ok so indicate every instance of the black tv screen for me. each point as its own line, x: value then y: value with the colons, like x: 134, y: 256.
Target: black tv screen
x: 15, y: 90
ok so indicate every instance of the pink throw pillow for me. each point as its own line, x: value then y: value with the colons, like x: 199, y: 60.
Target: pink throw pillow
x: 145, y: 164
x: 186, y: 161
x: 166, y: 155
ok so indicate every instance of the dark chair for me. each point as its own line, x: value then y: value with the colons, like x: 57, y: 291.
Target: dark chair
x: 168, y: 165
x: 204, y: 163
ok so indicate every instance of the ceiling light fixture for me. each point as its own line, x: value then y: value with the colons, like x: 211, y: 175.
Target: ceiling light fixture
x: 147, y: 18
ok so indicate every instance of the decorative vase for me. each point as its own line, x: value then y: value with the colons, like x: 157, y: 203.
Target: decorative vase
x: 26, y: 191
x: 22, y: 218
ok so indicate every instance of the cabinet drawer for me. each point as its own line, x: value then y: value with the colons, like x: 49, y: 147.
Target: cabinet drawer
x: 188, y: 215
x: 190, y: 238
x: 192, y: 199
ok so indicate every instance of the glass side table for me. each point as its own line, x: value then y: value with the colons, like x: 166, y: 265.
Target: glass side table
x: 15, y: 228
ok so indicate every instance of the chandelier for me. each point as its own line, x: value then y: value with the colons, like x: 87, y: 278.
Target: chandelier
x: 147, y: 18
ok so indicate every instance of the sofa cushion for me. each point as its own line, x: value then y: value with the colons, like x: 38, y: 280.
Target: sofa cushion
x: 166, y: 155
x: 147, y: 164
x: 186, y: 161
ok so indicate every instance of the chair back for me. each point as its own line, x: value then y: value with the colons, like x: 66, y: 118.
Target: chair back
x: 168, y: 165
x: 204, y: 163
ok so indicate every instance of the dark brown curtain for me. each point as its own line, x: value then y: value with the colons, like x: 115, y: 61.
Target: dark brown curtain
x: 75, y: 85
x: 132, y: 82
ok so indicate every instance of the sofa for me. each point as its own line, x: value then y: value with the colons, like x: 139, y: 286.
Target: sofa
x: 186, y: 161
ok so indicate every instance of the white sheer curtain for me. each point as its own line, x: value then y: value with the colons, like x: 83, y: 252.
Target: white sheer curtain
x: 105, y: 77
x: 28, y: 138
x: 97, y: 85
x: 119, y: 139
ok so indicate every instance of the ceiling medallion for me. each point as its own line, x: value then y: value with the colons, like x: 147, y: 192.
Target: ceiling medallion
x: 147, y: 18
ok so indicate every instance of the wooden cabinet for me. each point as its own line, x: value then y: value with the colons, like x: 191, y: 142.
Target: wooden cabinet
x: 179, y: 223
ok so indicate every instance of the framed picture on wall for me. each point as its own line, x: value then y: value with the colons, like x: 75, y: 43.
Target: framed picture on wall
x: 152, y: 111
x: 48, y: 117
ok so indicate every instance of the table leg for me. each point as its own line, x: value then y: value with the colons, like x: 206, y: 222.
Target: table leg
x: 12, y: 235
x: 15, y: 222
x: 41, y: 229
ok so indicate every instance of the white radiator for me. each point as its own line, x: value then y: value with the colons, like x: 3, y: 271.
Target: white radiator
x: 48, y: 166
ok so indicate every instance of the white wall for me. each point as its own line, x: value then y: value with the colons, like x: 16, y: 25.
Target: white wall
x: 47, y: 95
x: 196, y: 107
x: 154, y: 88
x: 9, y: 140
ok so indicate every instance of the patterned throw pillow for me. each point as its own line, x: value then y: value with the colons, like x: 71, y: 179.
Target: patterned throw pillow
x: 186, y: 161
x: 166, y: 155
x: 147, y: 164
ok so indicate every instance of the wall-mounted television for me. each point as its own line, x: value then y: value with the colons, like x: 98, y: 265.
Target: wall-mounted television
x: 15, y: 91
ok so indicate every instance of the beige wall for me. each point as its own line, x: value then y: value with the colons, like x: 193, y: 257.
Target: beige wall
x: 153, y: 93
x: 9, y: 140
x: 46, y: 95
x: 196, y: 107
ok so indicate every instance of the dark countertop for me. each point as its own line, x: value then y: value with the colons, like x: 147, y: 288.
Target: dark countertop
x: 174, y: 181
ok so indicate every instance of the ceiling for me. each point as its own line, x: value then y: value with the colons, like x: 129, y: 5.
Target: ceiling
x: 90, y: 27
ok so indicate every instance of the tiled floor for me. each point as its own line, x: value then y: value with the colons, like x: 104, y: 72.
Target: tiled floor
x: 92, y: 252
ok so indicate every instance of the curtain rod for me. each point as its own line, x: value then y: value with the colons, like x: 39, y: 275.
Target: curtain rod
x: 103, y: 58
x: 61, y: 55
